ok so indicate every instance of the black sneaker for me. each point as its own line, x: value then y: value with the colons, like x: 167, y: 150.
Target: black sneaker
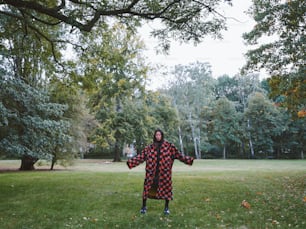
x: 143, y: 210
x: 167, y: 211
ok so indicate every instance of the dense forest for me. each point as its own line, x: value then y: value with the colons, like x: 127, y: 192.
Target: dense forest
x: 73, y: 82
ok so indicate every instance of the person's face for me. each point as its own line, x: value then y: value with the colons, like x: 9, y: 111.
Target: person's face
x: 158, y: 136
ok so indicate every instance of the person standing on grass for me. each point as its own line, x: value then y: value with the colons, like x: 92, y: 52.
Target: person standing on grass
x: 159, y: 157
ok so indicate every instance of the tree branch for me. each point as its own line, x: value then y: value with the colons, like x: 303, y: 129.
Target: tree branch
x: 129, y: 10
x: 52, y: 12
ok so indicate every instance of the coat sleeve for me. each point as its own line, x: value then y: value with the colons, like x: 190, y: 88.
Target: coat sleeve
x: 138, y: 159
x: 185, y: 159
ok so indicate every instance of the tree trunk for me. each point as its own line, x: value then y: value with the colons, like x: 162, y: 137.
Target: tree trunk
x: 195, y: 147
x: 241, y: 150
x: 117, y: 152
x: 194, y: 138
x: 278, y: 152
x: 181, y: 140
x: 27, y: 163
x: 117, y: 157
x: 54, y: 159
x: 224, y: 152
x: 251, y: 148
x: 199, y: 146
x: 250, y: 142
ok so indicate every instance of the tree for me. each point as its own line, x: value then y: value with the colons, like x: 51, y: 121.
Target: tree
x: 292, y: 141
x: 265, y: 121
x: 227, y: 87
x: 247, y: 85
x: 64, y: 91
x: 111, y: 70
x: 296, y: 138
x: 191, y: 90
x: 141, y: 114
x: 238, y: 88
x: 140, y: 122
x: 25, y: 54
x: 31, y: 126
x: 280, y: 26
x: 183, y: 20
x: 152, y: 110
x: 224, y: 125
x: 163, y: 114
x: 27, y: 59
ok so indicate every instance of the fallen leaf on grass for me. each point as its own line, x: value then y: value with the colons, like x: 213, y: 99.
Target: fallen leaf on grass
x: 304, y: 199
x: 245, y: 204
x: 275, y: 222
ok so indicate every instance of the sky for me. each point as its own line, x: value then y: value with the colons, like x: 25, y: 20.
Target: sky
x: 225, y: 56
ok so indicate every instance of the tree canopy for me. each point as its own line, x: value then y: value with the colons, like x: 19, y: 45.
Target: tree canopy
x: 184, y: 20
x: 31, y: 127
x: 280, y: 31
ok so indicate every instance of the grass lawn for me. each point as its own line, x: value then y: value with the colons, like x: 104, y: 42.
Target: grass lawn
x: 96, y: 194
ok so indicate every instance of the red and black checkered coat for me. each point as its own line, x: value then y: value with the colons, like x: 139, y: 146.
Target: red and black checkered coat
x: 168, y: 153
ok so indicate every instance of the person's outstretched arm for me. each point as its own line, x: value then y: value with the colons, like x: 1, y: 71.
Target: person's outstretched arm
x: 138, y: 159
x: 185, y: 159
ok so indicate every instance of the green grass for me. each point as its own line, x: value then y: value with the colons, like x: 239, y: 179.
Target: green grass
x: 94, y: 194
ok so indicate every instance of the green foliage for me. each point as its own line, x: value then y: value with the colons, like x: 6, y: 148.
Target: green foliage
x: 183, y: 20
x: 226, y: 116
x: 163, y: 115
x: 290, y: 91
x: 113, y: 74
x: 265, y: 122
x: 191, y: 91
x: 30, y: 124
x: 247, y: 85
x: 280, y: 27
x: 29, y: 52
x: 227, y: 86
x: 82, y: 122
x: 292, y: 142
x: 224, y: 128
x: 135, y: 123
x: 111, y: 58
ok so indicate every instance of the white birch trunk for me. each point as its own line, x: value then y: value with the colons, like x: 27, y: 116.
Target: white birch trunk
x: 250, y: 142
x: 199, y: 146
x: 195, y: 146
x: 181, y: 140
x: 194, y: 138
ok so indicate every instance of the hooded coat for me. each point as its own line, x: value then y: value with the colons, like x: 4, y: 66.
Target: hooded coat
x: 159, y: 161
